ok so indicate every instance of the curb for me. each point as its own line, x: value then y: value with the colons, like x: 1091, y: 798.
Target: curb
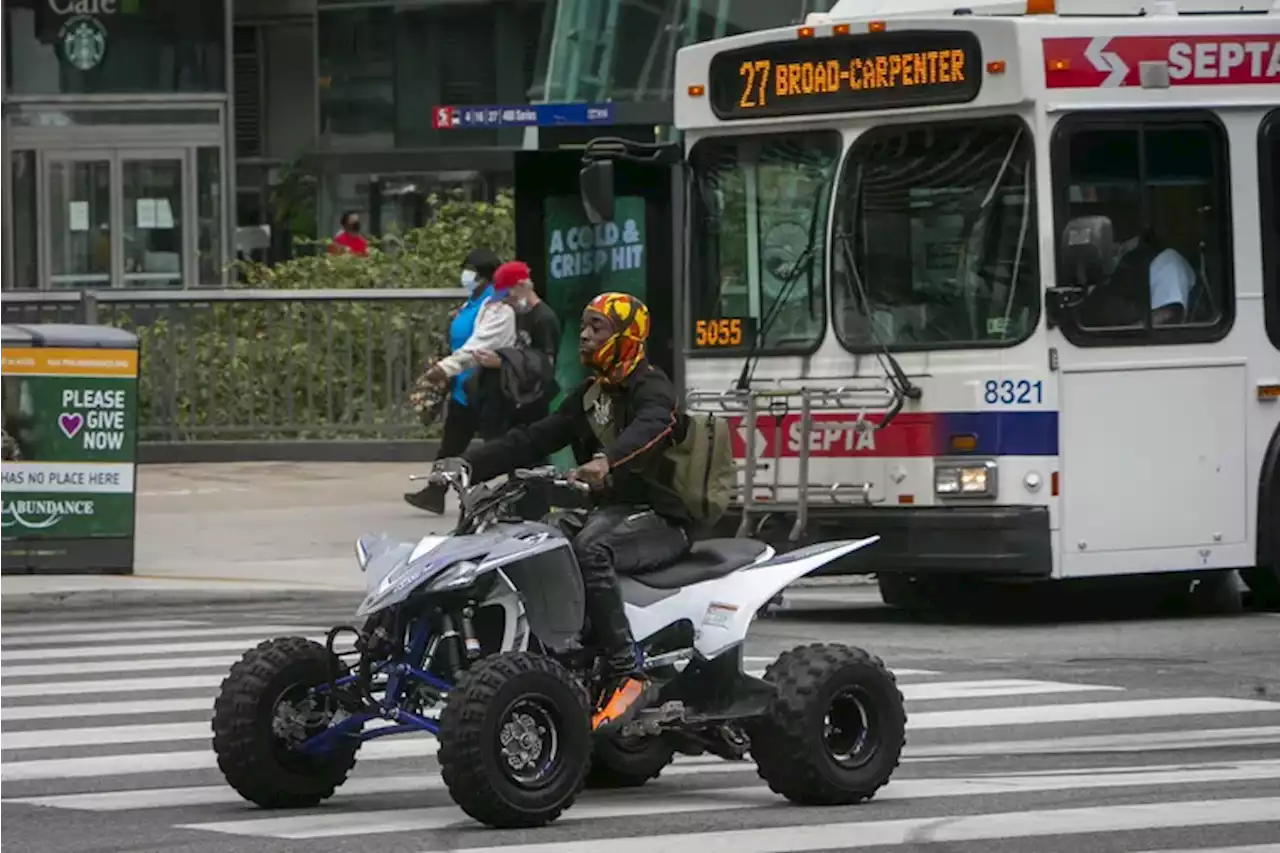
x: 81, y: 600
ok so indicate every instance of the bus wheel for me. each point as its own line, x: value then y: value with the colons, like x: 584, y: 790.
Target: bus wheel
x: 1213, y: 594
x: 1264, y: 587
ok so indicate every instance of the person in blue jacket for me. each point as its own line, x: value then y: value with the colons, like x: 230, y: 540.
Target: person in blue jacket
x: 462, y: 416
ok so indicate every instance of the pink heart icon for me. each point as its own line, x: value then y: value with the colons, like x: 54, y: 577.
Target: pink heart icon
x: 70, y: 424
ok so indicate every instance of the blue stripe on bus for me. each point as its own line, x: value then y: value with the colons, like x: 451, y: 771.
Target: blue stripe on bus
x: 1001, y: 433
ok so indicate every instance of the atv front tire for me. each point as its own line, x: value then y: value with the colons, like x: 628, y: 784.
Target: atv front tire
x: 629, y: 762
x: 834, y: 732
x: 515, y: 740
x: 257, y: 762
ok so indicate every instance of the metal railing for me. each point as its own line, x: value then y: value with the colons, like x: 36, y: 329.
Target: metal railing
x: 266, y: 364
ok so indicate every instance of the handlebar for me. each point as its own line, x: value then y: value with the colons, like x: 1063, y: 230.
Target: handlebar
x: 549, y: 474
x: 544, y: 473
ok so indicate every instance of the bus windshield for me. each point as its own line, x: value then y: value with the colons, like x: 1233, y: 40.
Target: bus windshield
x: 936, y: 234
x: 757, y: 239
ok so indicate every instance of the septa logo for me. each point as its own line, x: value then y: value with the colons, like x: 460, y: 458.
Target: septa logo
x: 445, y: 118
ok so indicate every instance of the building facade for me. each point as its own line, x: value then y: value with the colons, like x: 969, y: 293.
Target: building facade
x: 149, y: 142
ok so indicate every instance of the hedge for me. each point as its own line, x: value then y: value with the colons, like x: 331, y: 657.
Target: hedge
x: 274, y: 370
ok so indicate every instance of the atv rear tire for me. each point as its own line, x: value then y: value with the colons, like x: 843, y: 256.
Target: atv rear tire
x: 256, y: 762
x: 508, y: 708
x: 834, y: 732
x: 628, y: 763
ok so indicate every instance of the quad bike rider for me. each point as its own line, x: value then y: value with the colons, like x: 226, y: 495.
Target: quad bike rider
x: 638, y: 523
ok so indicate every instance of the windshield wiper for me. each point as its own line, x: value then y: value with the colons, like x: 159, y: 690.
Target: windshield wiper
x: 901, y: 382
x: 799, y: 268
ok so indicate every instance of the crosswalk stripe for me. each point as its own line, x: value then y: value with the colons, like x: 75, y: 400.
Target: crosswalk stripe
x: 105, y: 735
x: 407, y: 746
x: 170, y: 660
x: 212, y: 795
x: 1244, y: 848
x: 929, y: 691
x: 299, y: 827
x: 1017, y: 715
x: 100, y: 709
x: 261, y: 632
x: 51, y: 628
x: 897, y: 789
x: 1034, y: 823
x: 240, y: 646
x: 412, y: 746
x: 1127, y: 742
x: 995, y: 687
x: 114, y: 685
x: 1088, y: 711
x: 442, y: 817
x: 126, y: 665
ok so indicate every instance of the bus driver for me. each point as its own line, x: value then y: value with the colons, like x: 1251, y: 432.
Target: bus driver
x: 1129, y: 277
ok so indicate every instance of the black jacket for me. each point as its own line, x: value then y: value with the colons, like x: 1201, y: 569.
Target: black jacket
x: 526, y: 376
x: 650, y: 422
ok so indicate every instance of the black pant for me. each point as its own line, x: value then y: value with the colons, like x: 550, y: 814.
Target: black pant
x: 611, y: 541
x: 462, y: 423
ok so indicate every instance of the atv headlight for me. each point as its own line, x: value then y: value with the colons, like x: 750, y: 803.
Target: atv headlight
x: 458, y: 576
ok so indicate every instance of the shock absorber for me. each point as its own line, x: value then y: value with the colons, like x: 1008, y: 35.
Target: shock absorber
x: 451, y: 646
x: 470, y: 641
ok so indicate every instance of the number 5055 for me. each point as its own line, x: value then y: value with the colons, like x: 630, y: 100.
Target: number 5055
x: 717, y: 333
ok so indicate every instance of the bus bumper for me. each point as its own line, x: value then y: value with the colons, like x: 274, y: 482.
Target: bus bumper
x: 995, y: 541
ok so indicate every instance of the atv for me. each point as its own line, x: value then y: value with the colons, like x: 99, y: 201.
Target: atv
x: 475, y: 638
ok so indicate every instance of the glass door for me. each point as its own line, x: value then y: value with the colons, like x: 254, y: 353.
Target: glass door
x: 152, y: 218
x: 80, y: 244
x: 120, y: 217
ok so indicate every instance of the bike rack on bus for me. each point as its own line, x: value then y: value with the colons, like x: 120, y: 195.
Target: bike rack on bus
x: 857, y: 399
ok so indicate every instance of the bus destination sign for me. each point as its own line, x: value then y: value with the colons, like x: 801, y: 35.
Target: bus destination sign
x: 873, y: 71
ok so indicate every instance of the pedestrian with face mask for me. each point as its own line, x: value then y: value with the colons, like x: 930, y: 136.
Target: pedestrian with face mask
x: 529, y: 383
x: 462, y: 419
x: 348, y: 238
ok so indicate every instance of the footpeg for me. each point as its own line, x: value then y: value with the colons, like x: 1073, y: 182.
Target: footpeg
x: 651, y: 721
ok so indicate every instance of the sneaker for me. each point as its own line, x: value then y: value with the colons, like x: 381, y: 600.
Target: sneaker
x: 620, y: 707
x: 428, y: 500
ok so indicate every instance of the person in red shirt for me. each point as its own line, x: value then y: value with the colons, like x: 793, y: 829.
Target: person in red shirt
x: 349, y: 239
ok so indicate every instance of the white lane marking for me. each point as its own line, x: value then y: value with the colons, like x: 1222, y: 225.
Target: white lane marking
x: 1035, y: 823
x: 1113, y: 743
x: 141, y: 649
x: 120, y: 625
x: 262, y: 632
x: 1130, y: 709
x: 898, y: 789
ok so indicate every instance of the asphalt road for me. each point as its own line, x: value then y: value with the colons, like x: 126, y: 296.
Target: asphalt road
x: 1110, y: 731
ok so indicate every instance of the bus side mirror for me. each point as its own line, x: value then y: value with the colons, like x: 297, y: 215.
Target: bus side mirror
x: 595, y: 182
x: 1060, y: 305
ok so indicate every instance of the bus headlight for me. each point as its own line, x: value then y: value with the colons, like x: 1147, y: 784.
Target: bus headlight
x: 970, y: 478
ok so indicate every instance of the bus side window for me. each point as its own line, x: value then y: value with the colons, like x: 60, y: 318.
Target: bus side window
x: 1268, y: 176
x: 1152, y: 196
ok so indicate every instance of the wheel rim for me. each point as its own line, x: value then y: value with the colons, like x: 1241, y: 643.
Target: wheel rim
x: 296, y: 716
x: 529, y: 748
x: 849, y: 729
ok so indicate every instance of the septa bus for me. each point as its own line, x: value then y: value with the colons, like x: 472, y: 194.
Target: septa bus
x: 997, y: 282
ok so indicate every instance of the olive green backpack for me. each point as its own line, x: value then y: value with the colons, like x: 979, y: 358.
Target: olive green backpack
x: 699, y: 469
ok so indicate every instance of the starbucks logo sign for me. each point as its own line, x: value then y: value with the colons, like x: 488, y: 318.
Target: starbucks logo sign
x: 84, y: 42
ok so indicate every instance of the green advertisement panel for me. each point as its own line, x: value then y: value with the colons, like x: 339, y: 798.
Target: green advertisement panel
x: 70, y: 433
x: 584, y: 260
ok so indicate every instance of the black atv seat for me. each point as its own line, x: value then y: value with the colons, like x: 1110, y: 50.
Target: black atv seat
x: 706, y: 560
